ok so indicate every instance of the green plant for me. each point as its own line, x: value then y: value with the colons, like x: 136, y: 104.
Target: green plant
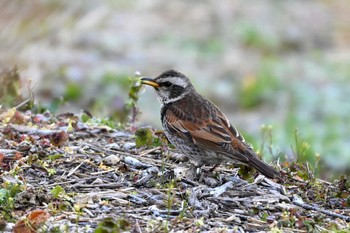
x: 144, y: 137
x: 303, y: 152
x: 110, y: 225
x: 120, y: 109
x: 267, y: 143
x: 102, y: 121
x: 157, y: 226
x: 53, y: 106
x: 170, y: 196
x: 134, y: 92
x: 57, y: 191
x: 45, y: 165
x: 7, y: 194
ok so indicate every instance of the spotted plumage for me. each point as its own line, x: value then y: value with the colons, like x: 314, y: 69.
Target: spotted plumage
x: 197, y: 128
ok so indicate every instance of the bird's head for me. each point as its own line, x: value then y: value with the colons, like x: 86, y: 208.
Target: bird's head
x: 170, y: 86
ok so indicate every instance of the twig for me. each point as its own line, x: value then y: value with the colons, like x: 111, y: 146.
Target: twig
x: 146, y: 152
x: 88, y: 212
x: 76, y: 168
x: 121, y: 152
x: 299, y: 202
x: 102, y: 172
x: 137, y: 227
x: 71, y: 181
x: 23, y: 103
x: 110, y: 185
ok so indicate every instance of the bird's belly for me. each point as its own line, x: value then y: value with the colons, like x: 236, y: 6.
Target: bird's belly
x: 194, y: 153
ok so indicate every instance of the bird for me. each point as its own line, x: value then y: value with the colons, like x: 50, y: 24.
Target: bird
x: 198, y: 128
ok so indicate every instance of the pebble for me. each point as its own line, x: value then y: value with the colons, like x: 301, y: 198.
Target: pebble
x: 111, y: 160
x: 135, y: 162
x: 98, y: 181
x: 129, y: 145
x: 114, y: 146
x: 119, y: 134
x: 211, y: 182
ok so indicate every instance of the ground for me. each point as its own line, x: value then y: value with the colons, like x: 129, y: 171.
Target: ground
x: 74, y: 173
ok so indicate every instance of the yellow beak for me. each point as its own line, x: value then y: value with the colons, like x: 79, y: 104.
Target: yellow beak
x: 149, y: 81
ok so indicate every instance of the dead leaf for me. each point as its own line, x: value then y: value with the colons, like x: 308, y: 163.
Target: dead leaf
x: 32, y: 222
x: 17, y: 118
x: 58, y: 139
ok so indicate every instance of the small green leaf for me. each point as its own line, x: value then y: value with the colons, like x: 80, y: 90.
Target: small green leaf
x: 51, y: 171
x: 108, y: 122
x: 264, y: 217
x: 85, y: 118
x: 54, y: 157
x: 56, y: 191
x: 3, y: 194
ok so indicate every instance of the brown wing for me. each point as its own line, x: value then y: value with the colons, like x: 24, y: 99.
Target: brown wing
x: 208, y: 130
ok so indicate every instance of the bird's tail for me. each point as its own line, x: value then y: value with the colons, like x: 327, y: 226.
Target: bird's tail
x: 263, y: 167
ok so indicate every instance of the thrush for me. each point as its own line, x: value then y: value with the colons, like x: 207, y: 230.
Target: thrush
x: 196, y: 127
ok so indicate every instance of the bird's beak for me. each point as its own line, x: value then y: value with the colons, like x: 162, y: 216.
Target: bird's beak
x: 149, y: 81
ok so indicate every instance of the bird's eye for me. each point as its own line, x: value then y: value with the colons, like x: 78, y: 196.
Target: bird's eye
x: 167, y: 84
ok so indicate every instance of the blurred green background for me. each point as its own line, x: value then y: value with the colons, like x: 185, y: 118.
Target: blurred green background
x: 271, y: 66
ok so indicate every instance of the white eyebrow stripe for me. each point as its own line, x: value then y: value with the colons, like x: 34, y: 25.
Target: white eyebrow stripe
x: 176, y: 81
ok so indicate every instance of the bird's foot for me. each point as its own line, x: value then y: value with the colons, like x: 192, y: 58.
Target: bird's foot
x: 191, y: 172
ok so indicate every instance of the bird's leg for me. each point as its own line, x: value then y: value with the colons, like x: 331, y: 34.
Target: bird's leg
x: 213, y: 168
x: 197, y: 169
